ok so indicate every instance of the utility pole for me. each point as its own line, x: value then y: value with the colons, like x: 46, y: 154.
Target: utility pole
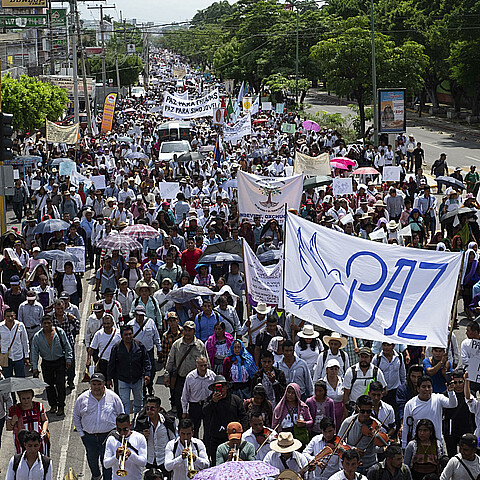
x: 374, y: 78
x: 296, y: 62
x: 102, y: 37
x: 50, y: 27
x: 118, y: 73
x: 76, y: 106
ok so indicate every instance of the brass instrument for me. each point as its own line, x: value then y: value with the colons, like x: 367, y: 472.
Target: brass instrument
x: 236, y: 453
x: 191, y: 472
x: 121, y: 472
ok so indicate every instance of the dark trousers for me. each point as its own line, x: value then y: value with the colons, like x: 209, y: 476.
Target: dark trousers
x: 166, y: 473
x: 451, y: 443
x: 18, y: 210
x: 95, y: 447
x: 195, y: 413
x: 71, y: 371
x: 211, y: 445
x: 177, y: 395
x: 149, y: 388
x: 54, y: 376
x: 89, y: 252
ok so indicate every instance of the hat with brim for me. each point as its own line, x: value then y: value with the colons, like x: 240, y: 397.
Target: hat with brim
x: 392, y: 225
x: 219, y: 380
x: 199, y: 266
x: 144, y: 285
x: 285, y: 443
x: 308, y: 332
x: 263, y: 309
x: 335, y: 336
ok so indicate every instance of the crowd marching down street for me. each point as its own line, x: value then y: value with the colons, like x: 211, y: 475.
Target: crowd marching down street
x: 295, y: 295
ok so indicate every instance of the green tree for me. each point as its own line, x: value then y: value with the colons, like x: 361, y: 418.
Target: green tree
x: 31, y: 102
x: 129, y: 67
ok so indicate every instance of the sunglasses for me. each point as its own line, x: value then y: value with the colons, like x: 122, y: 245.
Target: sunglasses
x: 364, y: 410
x: 458, y: 382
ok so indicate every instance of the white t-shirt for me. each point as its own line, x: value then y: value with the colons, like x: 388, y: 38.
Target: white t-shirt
x: 362, y: 381
x: 456, y: 471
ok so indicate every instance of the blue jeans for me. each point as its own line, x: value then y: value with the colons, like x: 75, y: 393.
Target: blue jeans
x: 18, y: 366
x: 95, y: 448
x: 124, y: 390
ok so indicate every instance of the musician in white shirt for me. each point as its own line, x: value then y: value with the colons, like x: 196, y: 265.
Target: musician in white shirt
x: 350, y: 463
x: 259, y: 436
x: 177, y: 452
x: 283, y: 454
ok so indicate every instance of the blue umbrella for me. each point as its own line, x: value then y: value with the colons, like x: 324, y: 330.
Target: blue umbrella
x: 51, y: 225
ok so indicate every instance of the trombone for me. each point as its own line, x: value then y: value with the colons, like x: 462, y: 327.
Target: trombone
x: 121, y: 472
x: 191, y: 472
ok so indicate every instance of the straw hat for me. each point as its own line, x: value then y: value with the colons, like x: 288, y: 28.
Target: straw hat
x: 144, y: 285
x: 263, y: 309
x: 335, y: 336
x: 392, y: 225
x: 308, y: 332
x: 285, y: 443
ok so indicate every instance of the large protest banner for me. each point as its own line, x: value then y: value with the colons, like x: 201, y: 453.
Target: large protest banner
x: 264, y: 282
x: 239, y: 130
x: 267, y: 197
x: 312, y: 165
x: 372, y: 290
x: 175, y: 107
x: 108, y: 111
x: 61, y: 134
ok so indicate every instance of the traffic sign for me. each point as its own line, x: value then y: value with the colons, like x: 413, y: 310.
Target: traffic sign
x: 23, y: 21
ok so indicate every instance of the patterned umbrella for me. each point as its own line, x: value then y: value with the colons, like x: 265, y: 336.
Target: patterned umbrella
x: 119, y: 242
x: 365, y: 171
x: 238, y: 471
x: 141, y: 231
x: 311, y: 125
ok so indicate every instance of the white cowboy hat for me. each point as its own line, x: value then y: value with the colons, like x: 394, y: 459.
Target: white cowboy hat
x: 392, y: 225
x: 335, y: 336
x: 308, y: 332
x: 285, y: 443
x: 263, y: 309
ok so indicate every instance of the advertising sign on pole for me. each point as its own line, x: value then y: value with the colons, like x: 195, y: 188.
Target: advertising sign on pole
x: 392, y: 112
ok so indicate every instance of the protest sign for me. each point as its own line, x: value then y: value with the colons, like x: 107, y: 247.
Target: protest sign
x: 342, y: 186
x: 473, y: 367
x: 239, y: 130
x: 66, y: 168
x: 312, y: 165
x: 279, y: 107
x: 174, y: 107
x: 267, y: 106
x: 79, y: 252
x: 16, y: 174
x: 391, y: 174
x: 263, y: 283
x: 61, y: 134
x: 371, y: 290
x: 289, y: 128
x: 379, y: 234
x: 98, y: 182
x: 36, y: 184
x: 267, y: 197
x: 169, y: 190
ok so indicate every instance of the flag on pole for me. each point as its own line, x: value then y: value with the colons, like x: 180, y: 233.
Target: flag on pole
x: 217, y: 156
x: 255, y: 106
x: 229, y: 107
x: 241, y: 93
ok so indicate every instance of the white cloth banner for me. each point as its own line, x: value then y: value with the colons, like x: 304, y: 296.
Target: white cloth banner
x: 239, y: 130
x: 61, y: 134
x: 264, y: 283
x: 174, y: 107
x: 169, y: 190
x: 79, y: 252
x: 312, y: 165
x: 267, y: 197
x: 366, y: 289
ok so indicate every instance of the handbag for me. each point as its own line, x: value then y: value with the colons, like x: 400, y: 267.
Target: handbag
x: 174, y: 375
x: 300, y: 433
x: 4, y: 356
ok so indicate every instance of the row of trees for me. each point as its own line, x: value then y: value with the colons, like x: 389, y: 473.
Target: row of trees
x: 419, y: 44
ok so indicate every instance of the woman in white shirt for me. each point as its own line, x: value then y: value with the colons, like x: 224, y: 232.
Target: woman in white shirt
x: 335, y: 388
x: 308, y: 347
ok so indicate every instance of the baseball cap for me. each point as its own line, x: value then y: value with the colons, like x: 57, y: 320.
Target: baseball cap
x: 333, y: 362
x: 98, y: 307
x: 189, y: 324
x: 366, y: 350
x: 36, y: 249
x: 15, y: 280
x: 140, y: 309
x: 31, y: 295
x: 65, y: 295
x: 97, y: 376
x: 234, y: 430
x: 172, y: 315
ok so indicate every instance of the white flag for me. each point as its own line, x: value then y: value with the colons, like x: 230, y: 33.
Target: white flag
x: 255, y: 106
x: 367, y: 289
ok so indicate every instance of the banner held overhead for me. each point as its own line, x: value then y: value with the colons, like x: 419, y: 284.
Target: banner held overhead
x: 108, y: 111
x: 175, y: 107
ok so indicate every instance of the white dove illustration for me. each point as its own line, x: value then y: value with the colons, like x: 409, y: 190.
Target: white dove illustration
x: 311, y: 261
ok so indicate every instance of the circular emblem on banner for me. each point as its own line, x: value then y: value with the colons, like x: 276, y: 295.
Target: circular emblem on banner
x: 247, y: 105
x: 218, y: 116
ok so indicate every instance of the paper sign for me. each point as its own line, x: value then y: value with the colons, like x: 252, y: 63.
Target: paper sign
x: 406, y: 231
x: 169, y: 190
x: 267, y: 106
x: 379, y: 234
x: 289, y: 128
x: 342, y: 186
x: 473, y: 367
x: 36, y: 184
x: 391, y: 174
x: 79, y: 252
x: 16, y: 174
x: 348, y: 218
x: 66, y: 168
x: 288, y: 171
x: 279, y: 107
x: 98, y: 182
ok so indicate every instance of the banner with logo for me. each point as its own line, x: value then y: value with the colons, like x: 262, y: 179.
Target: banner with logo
x: 239, y: 130
x: 61, y: 134
x: 175, y: 107
x: 267, y: 197
x: 312, y: 165
x: 372, y: 290
x: 264, y: 283
x: 108, y: 111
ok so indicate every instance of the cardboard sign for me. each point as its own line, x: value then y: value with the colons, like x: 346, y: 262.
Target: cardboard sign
x: 342, y: 186
x: 169, y: 190
x: 391, y: 174
x: 98, y: 182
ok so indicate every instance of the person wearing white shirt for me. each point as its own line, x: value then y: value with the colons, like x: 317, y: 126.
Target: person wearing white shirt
x: 196, y: 391
x: 470, y: 349
x: 382, y: 411
x: 31, y: 464
x: 30, y: 313
x: 426, y: 405
x: 94, y: 416
x: 135, y: 451
x: 335, y: 344
x: 466, y: 465
x: 94, y: 323
x: 229, y: 316
x: 178, y: 451
x: 258, y: 435
x: 283, y: 454
x: 14, y: 341
x: 308, y: 347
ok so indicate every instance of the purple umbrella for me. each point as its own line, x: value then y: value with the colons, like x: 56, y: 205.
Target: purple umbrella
x: 238, y: 471
x: 311, y: 125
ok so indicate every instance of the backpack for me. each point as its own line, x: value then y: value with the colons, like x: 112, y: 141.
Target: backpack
x: 378, y: 358
x: 18, y: 457
x: 355, y: 373
x: 342, y: 354
x: 403, y: 470
x: 142, y: 422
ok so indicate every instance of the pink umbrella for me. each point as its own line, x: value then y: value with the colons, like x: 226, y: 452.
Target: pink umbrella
x: 311, y: 125
x: 338, y: 165
x: 346, y: 161
x: 365, y: 171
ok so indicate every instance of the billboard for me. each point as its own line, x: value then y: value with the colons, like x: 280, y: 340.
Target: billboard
x: 24, y: 3
x: 392, y: 112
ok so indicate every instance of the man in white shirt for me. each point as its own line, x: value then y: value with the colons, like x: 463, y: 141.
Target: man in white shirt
x: 228, y: 316
x: 94, y: 417
x: 196, y: 391
x: 335, y: 344
x: 285, y: 446
x: 31, y: 464
x: 94, y: 323
x: 466, y: 465
x: 134, y: 452
x: 178, y: 451
x: 258, y: 435
x: 358, y: 376
x: 14, y: 341
x: 426, y: 405
x: 30, y: 313
x: 470, y: 348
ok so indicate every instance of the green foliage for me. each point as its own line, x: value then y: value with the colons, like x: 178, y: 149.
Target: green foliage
x: 125, y: 33
x: 335, y: 121
x: 129, y: 67
x: 31, y: 102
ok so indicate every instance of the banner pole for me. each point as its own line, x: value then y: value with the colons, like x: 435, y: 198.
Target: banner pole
x: 283, y: 274
x: 247, y: 303
x: 454, y: 306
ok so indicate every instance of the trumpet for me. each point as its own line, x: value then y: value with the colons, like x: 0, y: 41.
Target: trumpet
x: 191, y: 472
x: 121, y: 472
x: 236, y: 453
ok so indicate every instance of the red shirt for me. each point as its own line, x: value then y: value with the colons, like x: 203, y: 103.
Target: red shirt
x: 190, y: 260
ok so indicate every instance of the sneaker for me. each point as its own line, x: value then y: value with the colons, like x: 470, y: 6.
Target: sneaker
x: 53, y: 410
x: 60, y: 412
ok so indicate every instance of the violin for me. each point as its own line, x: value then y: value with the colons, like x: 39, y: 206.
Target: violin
x: 372, y: 430
x: 339, y: 448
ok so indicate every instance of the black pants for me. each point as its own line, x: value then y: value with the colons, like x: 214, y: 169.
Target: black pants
x: 149, y: 388
x: 451, y: 443
x: 212, y: 445
x: 166, y: 473
x: 177, y: 395
x: 54, y: 375
x: 89, y: 252
x: 195, y: 413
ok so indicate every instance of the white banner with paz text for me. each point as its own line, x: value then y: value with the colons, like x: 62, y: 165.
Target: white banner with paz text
x: 239, y: 130
x: 175, y: 107
x: 267, y: 197
x: 367, y: 289
x: 264, y: 283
